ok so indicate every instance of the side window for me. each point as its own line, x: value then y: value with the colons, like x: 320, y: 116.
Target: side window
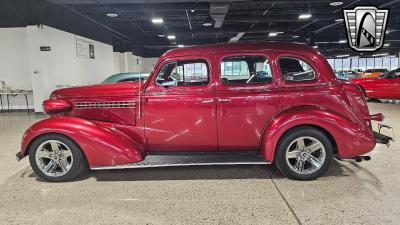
x: 245, y: 70
x: 296, y: 69
x: 183, y: 73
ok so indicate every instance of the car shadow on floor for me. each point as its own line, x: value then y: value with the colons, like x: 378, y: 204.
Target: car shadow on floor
x: 202, y: 173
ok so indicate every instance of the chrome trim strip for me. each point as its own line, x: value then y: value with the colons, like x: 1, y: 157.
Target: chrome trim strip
x: 111, y: 104
x: 138, y: 165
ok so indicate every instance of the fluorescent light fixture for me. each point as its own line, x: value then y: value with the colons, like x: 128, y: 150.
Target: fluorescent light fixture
x: 339, y: 20
x: 381, y: 54
x: 295, y: 36
x: 161, y: 35
x: 181, y: 46
x: 342, y: 41
x: 305, y: 16
x: 336, y: 3
x: 315, y: 46
x: 192, y: 10
x: 388, y: 31
x: 386, y: 45
x: 112, y: 15
x: 157, y: 20
x: 273, y: 34
x: 171, y: 37
x: 341, y: 56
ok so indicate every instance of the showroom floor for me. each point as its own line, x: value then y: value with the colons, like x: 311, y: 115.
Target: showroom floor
x: 351, y: 193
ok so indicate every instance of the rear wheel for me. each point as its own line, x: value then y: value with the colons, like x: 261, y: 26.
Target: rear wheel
x: 304, y: 153
x: 56, y: 158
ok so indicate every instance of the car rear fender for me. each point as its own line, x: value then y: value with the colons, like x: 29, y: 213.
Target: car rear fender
x: 350, y: 138
x: 102, y: 145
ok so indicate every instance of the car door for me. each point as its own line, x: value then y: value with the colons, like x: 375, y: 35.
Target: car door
x: 179, y: 106
x: 246, y: 99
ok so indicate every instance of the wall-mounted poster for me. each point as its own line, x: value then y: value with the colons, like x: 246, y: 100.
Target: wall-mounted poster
x: 84, y: 48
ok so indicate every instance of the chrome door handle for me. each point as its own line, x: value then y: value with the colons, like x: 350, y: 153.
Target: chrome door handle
x: 224, y: 100
x: 207, y: 101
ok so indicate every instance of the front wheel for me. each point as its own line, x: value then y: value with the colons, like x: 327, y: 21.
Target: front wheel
x: 56, y: 158
x: 304, y: 153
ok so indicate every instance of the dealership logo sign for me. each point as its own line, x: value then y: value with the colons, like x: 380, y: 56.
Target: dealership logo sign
x: 366, y: 27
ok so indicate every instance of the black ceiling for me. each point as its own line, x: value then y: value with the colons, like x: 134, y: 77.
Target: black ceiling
x: 184, y: 19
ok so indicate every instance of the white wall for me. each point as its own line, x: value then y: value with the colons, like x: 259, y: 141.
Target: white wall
x: 14, y: 64
x: 61, y: 66
x: 127, y: 62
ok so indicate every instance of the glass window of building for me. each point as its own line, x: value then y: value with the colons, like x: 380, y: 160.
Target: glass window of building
x: 346, y: 64
x: 354, y: 63
x: 386, y: 63
x: 378, y: 63
x: 394, y: 63
x: 338, y: 64
x: 370, y: 63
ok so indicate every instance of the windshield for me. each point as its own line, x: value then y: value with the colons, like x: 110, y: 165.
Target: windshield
x: 126, y: 77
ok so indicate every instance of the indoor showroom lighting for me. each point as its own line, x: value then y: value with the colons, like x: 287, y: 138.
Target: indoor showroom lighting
x: 315, y: 46
x: 161, y: 35
x: 341, y: 56
x: 181, y: 46
x: 335, y: 3
x: 157, y: 20
x: 339, y: 20
x: 295, y: 36
x: 380, y: 54
x: 273, y: 34
x: 342, y: 41
x: 305, y: 16
x: 386, y: 45
x: 171, y: 37
x: 111, y: 15
x: 208, y: 22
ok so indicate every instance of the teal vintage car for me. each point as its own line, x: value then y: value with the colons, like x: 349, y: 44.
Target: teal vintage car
x: 126, y: 77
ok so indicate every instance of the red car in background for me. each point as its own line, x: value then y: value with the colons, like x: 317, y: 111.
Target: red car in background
x: 386, y: 86
x: 247, y: 103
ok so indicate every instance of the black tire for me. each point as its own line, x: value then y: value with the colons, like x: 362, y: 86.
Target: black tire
x: 289, y: 138
x: 79, y: 165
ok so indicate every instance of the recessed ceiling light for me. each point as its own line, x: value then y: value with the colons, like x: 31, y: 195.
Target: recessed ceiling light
x: 342, y: 41
x: 339, y: 20
x: 340, y: 56
x: 111, y: 15
x: 381, y: 54
x: 295, y: 36
x: 208, y: 22
x: 181, y: 46
x: 388, y: 31
x: 315, y: 46
x: 161, y: 35
x: 305, y: 16
x: 273, y: 34
x: 171, y: 37
x: 157, y: 20
x: 192, y: 10
x: 336, y: 3
x: 386, y: 45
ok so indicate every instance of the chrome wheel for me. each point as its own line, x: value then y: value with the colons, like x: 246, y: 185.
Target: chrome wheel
x: 305, y: 155
x: 54, y: 158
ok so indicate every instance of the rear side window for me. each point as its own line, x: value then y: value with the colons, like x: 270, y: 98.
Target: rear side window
x: 294, y: 69
x: 183, y: 73
x: 245, y: 70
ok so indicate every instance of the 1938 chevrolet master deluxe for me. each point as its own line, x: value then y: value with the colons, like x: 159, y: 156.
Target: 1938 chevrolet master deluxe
x: 249, y: 103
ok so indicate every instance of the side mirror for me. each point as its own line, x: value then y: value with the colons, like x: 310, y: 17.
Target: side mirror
x: 169, y: 83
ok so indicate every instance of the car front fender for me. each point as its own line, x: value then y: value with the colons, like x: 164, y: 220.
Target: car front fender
x: 102, y: 144
x: 351, y: 138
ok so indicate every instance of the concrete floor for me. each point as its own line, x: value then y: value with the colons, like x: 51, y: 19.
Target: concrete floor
x: 350, y: 193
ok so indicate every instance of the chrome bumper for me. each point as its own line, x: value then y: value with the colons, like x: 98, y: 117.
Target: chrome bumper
x: 19, y: 156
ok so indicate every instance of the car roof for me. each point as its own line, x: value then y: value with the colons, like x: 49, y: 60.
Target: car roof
x: 232, y: 47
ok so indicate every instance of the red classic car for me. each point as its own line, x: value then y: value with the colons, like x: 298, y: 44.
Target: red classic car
x: 386, y: 86
x: 248, y: 103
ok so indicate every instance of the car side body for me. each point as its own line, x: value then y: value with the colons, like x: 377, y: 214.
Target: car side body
x: 121, y: 123
x: 386, y: 86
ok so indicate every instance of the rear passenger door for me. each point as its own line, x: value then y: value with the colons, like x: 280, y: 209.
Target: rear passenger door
x: 246, y: 99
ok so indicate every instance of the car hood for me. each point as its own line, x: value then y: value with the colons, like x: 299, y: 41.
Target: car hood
x: 98, y: 90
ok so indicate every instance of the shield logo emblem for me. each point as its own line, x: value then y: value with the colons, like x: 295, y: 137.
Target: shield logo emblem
x: 366, y: 27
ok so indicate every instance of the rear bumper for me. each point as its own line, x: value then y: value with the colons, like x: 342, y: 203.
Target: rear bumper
x: 382, y: 139
x: 19, y: 156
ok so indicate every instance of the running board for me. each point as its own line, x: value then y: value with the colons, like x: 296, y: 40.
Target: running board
x: 167, y: 160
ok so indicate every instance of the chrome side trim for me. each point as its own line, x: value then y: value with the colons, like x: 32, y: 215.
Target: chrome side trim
x: 152, y: 161
x: 133, y: 166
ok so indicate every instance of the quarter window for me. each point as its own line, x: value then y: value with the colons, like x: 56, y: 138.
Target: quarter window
x: 245, y: 70
x: 296, y: 70
x: 183, y: 73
